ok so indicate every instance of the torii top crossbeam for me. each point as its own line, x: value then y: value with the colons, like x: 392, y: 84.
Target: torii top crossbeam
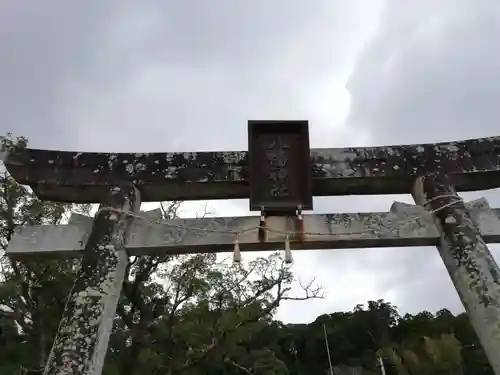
x: 84, y: 177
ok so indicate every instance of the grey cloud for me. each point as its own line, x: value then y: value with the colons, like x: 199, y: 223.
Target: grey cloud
x: 430, y: 74
x: 40, y: 46
x: 207, y: 66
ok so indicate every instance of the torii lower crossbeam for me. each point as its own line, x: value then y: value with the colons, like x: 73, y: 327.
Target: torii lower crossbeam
x: 400, y: 228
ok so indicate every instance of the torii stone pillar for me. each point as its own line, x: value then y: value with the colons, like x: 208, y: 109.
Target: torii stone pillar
x: 82, y: 339
x: 471, y: 266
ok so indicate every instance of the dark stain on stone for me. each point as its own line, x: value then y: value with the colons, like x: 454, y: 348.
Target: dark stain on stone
x: 463, y: 238
x: 84, y: 320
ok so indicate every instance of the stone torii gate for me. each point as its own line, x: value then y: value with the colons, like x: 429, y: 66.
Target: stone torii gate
x: 280, y: 175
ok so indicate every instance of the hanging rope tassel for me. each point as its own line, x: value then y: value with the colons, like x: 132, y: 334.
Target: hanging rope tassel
x: 236, y: 252
x: 262, y: 227
x: 299, y: 226
x: 288, y: 251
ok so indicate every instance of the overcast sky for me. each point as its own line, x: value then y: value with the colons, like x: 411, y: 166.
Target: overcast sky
x: 187, y: 76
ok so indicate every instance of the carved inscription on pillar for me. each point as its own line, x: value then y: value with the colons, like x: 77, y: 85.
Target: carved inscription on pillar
x: 279, y: 166
x: 278, y: 156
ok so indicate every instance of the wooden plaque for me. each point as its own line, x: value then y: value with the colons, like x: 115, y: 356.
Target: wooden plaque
x: 279, y: 164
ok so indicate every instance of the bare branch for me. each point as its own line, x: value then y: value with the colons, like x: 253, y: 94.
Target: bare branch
x: 170, y: 210
x: 230, y: 361
x: 311, y: 292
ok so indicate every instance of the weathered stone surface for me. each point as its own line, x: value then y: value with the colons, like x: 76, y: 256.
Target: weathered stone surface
x: 355, y: 230
x: 471, y: 266
x: 82, y: 177
x: 82, y: 339
x: 76, y: 218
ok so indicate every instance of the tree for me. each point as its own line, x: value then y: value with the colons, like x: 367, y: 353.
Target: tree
x: 32, y: 292
x: 439, y: 355
x: 445, y: 352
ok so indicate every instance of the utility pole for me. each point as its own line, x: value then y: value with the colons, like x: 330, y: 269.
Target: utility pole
x: 328, y: 350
